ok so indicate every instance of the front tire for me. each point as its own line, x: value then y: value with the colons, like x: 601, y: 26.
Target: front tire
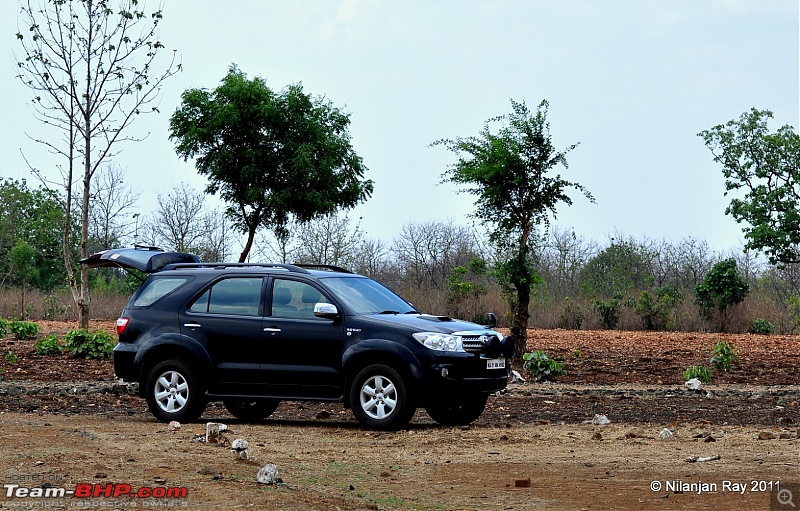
x: 380, y: 399
x: 457, y: 412
x: 251, y: 410
x: 173, y: 392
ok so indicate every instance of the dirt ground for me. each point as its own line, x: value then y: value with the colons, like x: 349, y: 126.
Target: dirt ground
x: 66, y: 424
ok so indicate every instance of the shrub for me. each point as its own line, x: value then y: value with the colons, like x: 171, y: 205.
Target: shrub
x: 571, y: 315
x: 702, y: 373
x: 609, y: 311
x: 24, y: 329
x: 3, y: 327
x: 50, y: 345
x: 725, y: 356
x: 82, y: 343
x: 541, y: 366
x: 655, y: 309
x: 721, y: 288
x: 761, y: 326
x: 11, y: 357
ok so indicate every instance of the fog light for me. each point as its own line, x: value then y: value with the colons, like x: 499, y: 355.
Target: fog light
x: 445, y: 372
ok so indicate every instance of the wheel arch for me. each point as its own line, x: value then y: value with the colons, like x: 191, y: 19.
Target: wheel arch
x: 379, y: 351
x: 180, y: 348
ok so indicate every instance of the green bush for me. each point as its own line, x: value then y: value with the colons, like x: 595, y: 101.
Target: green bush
x: 656, y: 308
x: 541, y: 366
x: 50, y: 345
x: 24, y: 329
x: 3, y: 327
x: 82, y: 343
x: 12, y: 357
x: 724, y: 356
x: 761, y: 326
x: 609, y: 311
x: 702, y: 373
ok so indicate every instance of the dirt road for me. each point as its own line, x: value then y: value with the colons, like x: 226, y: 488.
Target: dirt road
x: 328, y: 462
x: 96, y: 436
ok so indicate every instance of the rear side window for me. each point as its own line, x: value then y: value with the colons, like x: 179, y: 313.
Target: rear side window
x: 239, y: 296
x: 157, y: 288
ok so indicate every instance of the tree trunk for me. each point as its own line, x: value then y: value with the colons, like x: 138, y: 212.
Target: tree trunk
x: 251, y: 234
x: 519, y: 327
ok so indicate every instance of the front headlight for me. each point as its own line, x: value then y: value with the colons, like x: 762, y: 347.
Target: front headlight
x: 441, y: 342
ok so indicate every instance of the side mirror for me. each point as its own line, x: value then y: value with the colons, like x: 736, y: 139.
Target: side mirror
x: 491, y: 320
x: 326, y: 311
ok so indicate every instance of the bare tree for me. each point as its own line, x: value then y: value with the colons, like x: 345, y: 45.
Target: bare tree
x: 563, y: 256
x: 330, y: 239
x: 178, y: 224
x: 371, y: 258
x: 281, y: 247
x: 90, y: 67
x: 216, y: 238
x: 427, y: 252
x: 109, y: 222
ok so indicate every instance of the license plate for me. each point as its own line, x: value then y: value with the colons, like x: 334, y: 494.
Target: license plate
x: 496, y: 363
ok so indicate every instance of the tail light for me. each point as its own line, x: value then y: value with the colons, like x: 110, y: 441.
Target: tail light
x: 122, y: 323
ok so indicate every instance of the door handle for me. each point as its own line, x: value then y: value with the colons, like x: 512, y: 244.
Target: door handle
x: 272, y: 330
x: 192, y: 325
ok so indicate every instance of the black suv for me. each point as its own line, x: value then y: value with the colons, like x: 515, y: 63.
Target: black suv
x: 253, y: 335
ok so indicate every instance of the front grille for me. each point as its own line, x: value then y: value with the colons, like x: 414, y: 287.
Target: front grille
x: 472, y: 343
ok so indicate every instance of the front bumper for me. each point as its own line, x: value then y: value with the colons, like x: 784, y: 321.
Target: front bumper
x: 450, y: 375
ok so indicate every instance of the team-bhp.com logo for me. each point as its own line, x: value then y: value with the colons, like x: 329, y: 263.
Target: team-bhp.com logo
x: 88, y: 491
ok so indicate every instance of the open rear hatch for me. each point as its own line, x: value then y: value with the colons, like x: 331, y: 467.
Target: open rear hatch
x: 142, y: 258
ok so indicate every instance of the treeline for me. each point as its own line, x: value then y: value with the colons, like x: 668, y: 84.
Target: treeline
x: 442, y: 267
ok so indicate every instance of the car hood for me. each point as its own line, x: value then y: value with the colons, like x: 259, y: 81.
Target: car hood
x: 430, y: 323
x: 146, y: 259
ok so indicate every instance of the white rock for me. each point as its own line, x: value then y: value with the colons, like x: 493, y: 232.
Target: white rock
x: 269, y: 474
x: 174, y: 426
x: 665, y: 434
x: 239, y: 447
x: 693, y: 384
x: 600, y: 420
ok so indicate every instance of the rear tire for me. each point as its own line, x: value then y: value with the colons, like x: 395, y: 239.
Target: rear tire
x: 380, y: 399
x: 251, y: 410
x: 173, y: 392
x: 458, y: 412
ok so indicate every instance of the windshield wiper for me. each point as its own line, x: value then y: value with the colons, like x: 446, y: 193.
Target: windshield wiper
x: 389, y: 312
x: 412, y: 312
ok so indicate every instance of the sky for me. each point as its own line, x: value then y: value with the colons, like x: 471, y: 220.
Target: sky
x: 631, y: 81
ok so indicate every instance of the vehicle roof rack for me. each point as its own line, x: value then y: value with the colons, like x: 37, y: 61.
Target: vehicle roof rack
x: 222, y: 266
x: 328, y: 267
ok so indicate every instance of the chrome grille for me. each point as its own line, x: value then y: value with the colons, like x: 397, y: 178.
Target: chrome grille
x: 472, y: 343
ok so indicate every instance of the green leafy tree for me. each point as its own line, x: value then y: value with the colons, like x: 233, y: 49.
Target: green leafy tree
x: 511, y: 173
x: 722, y: 288
x: 34, y: 218
x: 23, y: 270
x: 272, y: 157
x: 620, y: 268
x: 92, y: 68
x: 766, y: 167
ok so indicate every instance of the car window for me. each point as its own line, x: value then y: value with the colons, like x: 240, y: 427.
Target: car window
x: 157, y: 288
x: 294, y: 299
x: 365, y: 296
x: 240, y: 296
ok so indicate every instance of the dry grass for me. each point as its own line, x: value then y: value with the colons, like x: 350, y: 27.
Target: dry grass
x: 545, y: 313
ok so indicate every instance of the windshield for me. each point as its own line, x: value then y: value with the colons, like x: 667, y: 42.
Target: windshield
x: 365, y: 296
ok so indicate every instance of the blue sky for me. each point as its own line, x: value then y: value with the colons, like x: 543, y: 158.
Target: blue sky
x: 632, y: 81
